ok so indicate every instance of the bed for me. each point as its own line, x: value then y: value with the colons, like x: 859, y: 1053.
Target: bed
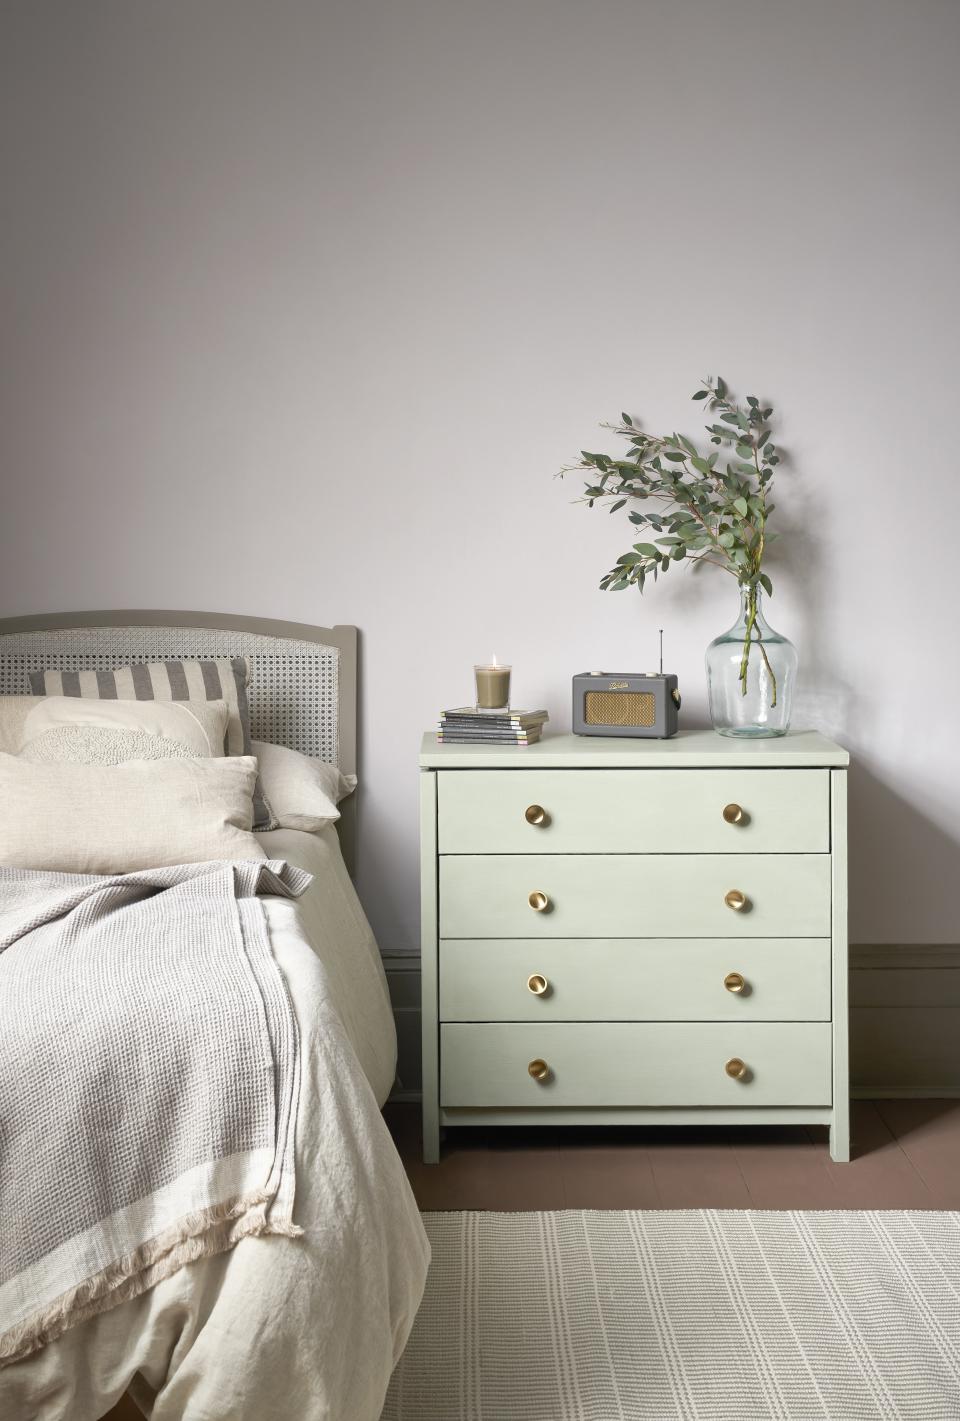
x: 301, y: 1327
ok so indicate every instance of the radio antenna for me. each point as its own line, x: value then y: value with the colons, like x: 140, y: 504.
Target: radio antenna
x: 661, y: 651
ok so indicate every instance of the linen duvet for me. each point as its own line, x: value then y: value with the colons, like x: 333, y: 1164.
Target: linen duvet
x: 315, y: 1255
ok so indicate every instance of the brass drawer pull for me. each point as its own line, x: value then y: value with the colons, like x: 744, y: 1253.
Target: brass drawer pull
x: 736, y: 1068
x: 537, y: 984
x: 733, y: 814
x: 736, y: 900
x: 536, y: 815
x: 538, y: 901
x: 538, y: 1069
x: 734, y: 982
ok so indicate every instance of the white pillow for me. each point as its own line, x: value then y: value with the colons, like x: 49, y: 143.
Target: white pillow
x: 75, y: 730
x: 303, y: 793
x: 119, y: 818
x: 13, y: 712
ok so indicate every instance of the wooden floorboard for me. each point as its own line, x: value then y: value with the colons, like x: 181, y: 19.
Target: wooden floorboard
x: 906, y: 1155
x: 927, y: 1132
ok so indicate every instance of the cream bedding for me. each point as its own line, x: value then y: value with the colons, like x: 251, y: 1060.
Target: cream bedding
x: 330, y: 916
x: 305, y: 1329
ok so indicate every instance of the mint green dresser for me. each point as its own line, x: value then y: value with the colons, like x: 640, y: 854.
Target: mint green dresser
x: 635, y: 932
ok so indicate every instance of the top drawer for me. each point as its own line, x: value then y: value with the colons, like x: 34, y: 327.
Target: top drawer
x: 633, y: 811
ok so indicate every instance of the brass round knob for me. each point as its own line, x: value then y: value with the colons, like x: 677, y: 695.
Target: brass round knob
x: 537, y: 984
x: 734, y: 982
x: 535, y: 814
x: 538, y: 1069
x: 736, y: 1068
x: 735, y: 900
x: 538, y: 901
x: 733, y: 814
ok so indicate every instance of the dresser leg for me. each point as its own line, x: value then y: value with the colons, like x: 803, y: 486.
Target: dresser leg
x: 840, y: 1136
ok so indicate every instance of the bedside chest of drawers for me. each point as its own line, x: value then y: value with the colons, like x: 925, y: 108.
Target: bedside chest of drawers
x: 635, y: 932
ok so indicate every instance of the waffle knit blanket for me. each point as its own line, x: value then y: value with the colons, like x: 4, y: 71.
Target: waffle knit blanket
x: 149, y: 1078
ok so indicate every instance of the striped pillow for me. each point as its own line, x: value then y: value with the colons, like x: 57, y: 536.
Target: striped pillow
x: 223, y: 680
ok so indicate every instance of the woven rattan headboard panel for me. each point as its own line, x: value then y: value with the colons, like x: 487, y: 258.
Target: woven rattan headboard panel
x: 303, y: 692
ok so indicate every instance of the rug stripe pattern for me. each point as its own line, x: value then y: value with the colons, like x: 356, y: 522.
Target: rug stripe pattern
x: 695, y: 1315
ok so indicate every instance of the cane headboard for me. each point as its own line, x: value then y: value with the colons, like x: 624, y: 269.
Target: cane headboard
x: 304, y: 683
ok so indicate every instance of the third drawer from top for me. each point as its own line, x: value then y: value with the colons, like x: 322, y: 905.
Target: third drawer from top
x: 645, y: 979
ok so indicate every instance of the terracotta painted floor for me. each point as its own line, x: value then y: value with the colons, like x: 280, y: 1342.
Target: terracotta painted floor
x: 906, y: 1155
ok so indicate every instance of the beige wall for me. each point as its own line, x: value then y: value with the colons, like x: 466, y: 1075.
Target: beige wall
x: 303, y: 304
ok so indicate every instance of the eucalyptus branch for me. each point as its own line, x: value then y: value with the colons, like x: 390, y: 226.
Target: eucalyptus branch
x: 703, y: 513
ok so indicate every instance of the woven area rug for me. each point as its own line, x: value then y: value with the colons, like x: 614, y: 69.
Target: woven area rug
x: 610, y: 1316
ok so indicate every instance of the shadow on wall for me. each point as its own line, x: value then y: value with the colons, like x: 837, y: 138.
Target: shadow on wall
x: 899, y: 860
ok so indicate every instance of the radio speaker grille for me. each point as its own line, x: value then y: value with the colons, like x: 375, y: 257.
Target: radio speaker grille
x: 619, y: 708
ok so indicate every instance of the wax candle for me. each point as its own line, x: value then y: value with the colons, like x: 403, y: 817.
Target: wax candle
x: 493, y: 686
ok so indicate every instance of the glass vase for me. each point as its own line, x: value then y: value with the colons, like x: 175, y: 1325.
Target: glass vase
x: 751, y: 670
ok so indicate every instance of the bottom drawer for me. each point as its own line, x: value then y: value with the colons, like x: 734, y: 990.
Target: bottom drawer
x: 635, y: 1063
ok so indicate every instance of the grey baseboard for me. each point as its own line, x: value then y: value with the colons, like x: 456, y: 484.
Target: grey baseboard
x: 904, y: 1020
x: 403, y: 979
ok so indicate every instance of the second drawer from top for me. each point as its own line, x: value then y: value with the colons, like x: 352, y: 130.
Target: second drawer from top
x: 633, y: 811
x: 634, y: 895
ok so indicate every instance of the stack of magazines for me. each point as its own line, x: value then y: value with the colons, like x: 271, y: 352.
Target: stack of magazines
x: 468, y: 726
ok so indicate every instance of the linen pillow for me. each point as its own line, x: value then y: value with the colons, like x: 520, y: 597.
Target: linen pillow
x: 68, y: 729
x: 226, y: 679
x: 13, y: 713
x: 120, y: 818
x: 303, y: 793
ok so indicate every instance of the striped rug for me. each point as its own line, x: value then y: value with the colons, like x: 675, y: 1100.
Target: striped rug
x: 608, y: 1316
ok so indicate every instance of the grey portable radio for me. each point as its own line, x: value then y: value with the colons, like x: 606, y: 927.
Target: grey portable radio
x: 625, y: 703
x: 615, y: 704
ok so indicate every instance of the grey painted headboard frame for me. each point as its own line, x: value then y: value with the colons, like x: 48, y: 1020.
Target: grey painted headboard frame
x: 304, y: 684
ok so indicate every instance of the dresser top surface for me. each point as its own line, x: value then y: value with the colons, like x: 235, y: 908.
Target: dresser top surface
x: 687, y: 750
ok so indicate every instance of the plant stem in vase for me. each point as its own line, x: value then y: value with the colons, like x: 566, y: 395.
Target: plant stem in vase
x: 751, y: 670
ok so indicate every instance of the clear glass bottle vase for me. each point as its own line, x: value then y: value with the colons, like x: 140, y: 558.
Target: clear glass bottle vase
x: 751, y: 670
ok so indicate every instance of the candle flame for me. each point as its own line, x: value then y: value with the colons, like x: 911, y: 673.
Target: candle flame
x: 493, y: 659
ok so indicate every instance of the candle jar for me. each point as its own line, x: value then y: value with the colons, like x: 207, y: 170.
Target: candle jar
x: 493, y: 687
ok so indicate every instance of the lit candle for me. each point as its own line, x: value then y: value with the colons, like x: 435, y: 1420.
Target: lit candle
x: 493, y: 686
